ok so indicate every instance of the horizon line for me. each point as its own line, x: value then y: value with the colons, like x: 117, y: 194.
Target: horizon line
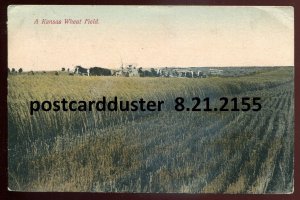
x: 248, y: 66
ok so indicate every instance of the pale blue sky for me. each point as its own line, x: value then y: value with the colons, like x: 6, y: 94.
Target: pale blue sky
x: 151, y: 36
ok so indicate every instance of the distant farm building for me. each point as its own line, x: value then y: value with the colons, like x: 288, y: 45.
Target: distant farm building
x: 81, y: 71
x: 130, y: 70
x: 185, y: 73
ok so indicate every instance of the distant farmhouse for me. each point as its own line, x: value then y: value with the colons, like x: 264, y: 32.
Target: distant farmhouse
x: 130, y: 70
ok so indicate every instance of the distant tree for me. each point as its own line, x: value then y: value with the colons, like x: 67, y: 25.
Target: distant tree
x: 153, y: 72
x: 140, y: 71
x: 13, y: 70
x: 63, y: 69
x: 176, y: 73
x: 148, y: 73
x: 8, y: 70
x: 68, y: 69
x: 56, y: 73
x: 20, y: 70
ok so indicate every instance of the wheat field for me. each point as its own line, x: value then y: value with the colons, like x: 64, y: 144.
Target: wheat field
x: 166, y: 151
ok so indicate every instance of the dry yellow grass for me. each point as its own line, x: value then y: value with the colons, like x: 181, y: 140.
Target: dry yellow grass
x: 168, y: 151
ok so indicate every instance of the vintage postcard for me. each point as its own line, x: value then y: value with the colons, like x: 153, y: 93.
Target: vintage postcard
x: 151, y: 99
